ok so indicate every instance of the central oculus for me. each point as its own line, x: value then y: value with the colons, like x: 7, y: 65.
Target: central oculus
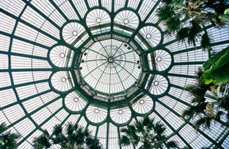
x: 109, y: 67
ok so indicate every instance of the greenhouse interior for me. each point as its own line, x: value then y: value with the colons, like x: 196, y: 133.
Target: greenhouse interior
x: 114, y: 74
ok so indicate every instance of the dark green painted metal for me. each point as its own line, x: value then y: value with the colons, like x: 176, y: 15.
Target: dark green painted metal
x: 22, y: 39
x: 41, y: 13
x: 24, y: 55
x: 28, y: 24
x: 24, y: 84
x: 175, y: 131
x: 112, y: 32
x: 11, y: 76
x: 192, y: 125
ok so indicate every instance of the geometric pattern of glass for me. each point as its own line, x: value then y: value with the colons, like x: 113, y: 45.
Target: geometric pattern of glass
x: 103, y: 64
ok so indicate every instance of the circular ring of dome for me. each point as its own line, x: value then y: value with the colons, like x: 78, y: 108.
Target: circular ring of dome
x: 144, y: 105
x: 127, y: 18
x: 97, y: 17
x: 111, y: 64
x: 159, y: 86
x: 152, y: 36
x: 62, y: 81
x: 96, y: 115
x: 73, y: 33
x: 161, y: 59
x: 121, y: 116
x: 61, y: 56
x: 74, y: 102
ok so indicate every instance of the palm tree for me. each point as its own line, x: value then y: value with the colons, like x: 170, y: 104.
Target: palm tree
x: 198, y: 89
x: 206, y: 111
x: 43, y: 141
x: 204, y: 119
x: 191, y: 33
x: 75, y: 137
x: 187, y: 19
x: 170, y: 19
x: 147, y: 134
x: 8, y: 140
x: 196, y: 9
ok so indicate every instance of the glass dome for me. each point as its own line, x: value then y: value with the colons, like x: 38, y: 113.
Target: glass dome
x: 103, y: 64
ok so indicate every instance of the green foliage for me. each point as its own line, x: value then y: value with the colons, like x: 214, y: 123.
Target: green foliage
x: 205, y: 112
x: 183, y: 33
x: 169, y: 18
x: 8, y: 140
x: 42, y: 141
x: 172, y: 24
x: 176, y: 14
x: 164, y: 13
x: 204, y: 121
x: 217, y: 68
x: 193, y: 32
x: 148, y: 133
x: 167, y: 1
x: 171, y: 144
x: 205, y: 42
x: 198, y: 89
x: 75, y: 137
x: 92, y: 143
x: 124, y: 140
x: 3, y: 127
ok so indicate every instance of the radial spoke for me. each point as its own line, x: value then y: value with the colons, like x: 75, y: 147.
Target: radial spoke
x: 126, y: 71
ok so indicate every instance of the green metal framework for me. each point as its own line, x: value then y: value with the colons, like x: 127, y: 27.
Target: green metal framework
x: 42, y: 57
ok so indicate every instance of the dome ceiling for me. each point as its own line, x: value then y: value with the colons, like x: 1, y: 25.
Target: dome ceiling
x: 100, y: 63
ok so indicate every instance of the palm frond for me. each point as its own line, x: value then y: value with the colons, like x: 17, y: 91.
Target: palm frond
x: 203, y: 121
x: 172, y: 144
x: 194, y: 32
x: 172, y: 24
x: 188, y: 112
x: 93, y: 143
x: 164, y: 13
x: 79, y: 136
x: 70, y: 128
x: 57, y: 129
x: 87, y: 133
x: 218, y: 115
x: 136, y: 139
x: 124, y: 140
x: 41, y: 142
x: 159, y: 128
x: 182, y: 34
x: 139, y: 127
x: 167, y: 1
x: 149, y: 122
x: 59, y: 139
x: 205, y: 42
x: 3, y: 127
x: 125, y: 130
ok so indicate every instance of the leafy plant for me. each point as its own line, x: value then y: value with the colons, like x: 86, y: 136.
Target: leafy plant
x: 217, y: 68
x: 8, y: 140
x: 206, y: 111
x: 147, y: 134
x: 205, y: 42
x: 225, y: 16
x: 75, y: 137
x: 187, y: 19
